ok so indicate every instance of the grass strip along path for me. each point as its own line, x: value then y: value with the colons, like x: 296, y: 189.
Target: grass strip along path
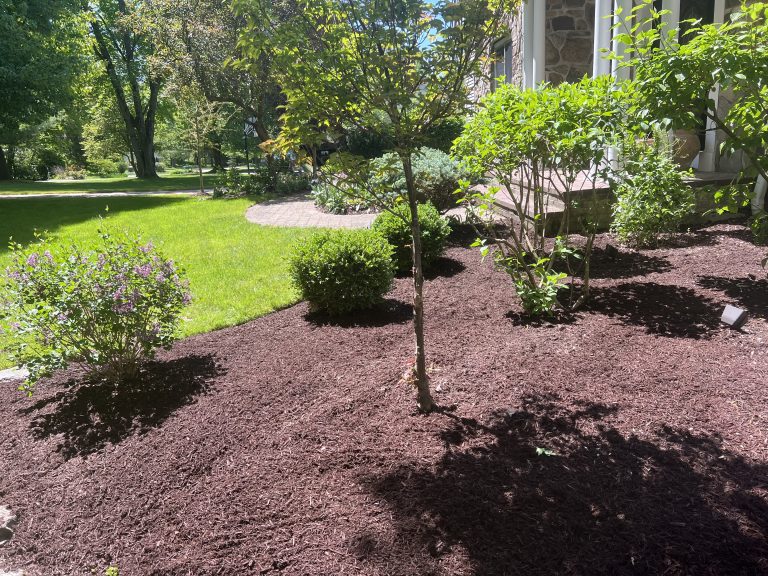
x: 237, y: 270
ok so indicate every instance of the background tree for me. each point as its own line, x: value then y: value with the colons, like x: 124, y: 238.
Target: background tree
x: 125, y: 48
x: 40, y: 43
x: 394, y: 66
x: 198, y: 120
x: 199, y: 42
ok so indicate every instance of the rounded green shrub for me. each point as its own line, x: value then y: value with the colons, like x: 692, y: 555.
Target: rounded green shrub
x: 396, y: 229
x: 341, y: 271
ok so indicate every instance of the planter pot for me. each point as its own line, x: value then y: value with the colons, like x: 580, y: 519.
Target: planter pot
x: 686, y: 146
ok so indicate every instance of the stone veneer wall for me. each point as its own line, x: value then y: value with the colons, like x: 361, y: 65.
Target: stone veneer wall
x: 570, y: 39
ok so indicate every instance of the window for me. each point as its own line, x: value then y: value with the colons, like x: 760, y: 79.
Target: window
x: 502, y: 62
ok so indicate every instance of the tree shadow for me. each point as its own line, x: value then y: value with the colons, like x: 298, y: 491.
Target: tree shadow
x: 23, y: 216
x: 444, y: 267
x: 616, y: 264
x: 89, y: 415
x: 662, y: 309
x: 752, y: 295
x: 390, y: 311
x: 550, y: 489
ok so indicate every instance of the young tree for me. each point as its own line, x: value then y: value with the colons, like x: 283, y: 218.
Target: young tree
x: 198, y: 119
x: 125, y: 48
x: 394, y: 66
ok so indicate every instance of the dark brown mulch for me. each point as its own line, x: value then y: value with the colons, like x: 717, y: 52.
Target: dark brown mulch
x: 630, y: 439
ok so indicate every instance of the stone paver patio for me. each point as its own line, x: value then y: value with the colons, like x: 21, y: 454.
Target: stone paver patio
x: 300, y: 212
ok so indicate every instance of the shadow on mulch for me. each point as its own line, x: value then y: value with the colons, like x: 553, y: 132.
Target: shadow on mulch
x: 616, y: 264
x: 524, y: 319
x: 550, y: 489
x: 444, y: 267
x: 390, y: 311
x: 752, y: 295
x: 90, y: 415
x: 662, y: 309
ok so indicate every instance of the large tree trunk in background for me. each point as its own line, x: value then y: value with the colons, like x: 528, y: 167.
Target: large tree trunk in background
x: 424, y: 400
x: 5, y: 172
x: 139, y: 117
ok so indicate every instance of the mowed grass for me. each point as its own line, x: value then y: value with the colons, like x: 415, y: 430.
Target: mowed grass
x: 93, y: 185
x: 237, y: 270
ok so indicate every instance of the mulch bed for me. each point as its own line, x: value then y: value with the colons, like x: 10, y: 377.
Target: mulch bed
x: 631, y: 439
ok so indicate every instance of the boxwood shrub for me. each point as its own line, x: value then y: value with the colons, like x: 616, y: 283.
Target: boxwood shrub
x: 396, y: 230
x: 341, y: 271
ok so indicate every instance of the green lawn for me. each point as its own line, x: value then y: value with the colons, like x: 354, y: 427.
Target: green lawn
x: 168, y: 183
x: 237, y: 270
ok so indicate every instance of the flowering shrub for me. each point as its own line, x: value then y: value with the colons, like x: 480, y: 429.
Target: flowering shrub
x: 109, y: 309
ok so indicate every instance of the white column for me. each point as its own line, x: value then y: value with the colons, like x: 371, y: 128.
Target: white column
x: 672, y: 19
x: 539, y: 40
x: 758, y: 198
x: 600, y: 64
x: 707, y: 160
x: 528, y: 31
x: 622, y: 9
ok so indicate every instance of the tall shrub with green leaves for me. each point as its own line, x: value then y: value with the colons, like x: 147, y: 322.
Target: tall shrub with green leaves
x: 652, y: 197
x: 675, y: 76
x: 535, y: 145
x: 393, y: 67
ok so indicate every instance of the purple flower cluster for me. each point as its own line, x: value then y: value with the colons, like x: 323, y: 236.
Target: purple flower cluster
x: 144, y: 270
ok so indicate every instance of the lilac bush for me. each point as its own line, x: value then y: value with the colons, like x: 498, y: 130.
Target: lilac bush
x: 110, y: 308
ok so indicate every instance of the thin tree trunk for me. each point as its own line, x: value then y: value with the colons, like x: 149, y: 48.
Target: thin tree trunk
x: 5, y: 172
x: 200, y: 167
x: 424, y: 400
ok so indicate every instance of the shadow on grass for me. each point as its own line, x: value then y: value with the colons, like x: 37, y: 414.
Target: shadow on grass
x: 20, y: 218
x: 752, y: 295
x: 552, y: 489
x: 390, y: 311
x: 90, y: 415
x: 662, y: 309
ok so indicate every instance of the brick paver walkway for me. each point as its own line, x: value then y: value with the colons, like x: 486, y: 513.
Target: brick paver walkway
x: 300, y: 211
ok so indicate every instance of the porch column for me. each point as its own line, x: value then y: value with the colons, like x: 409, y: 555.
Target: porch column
x: 539, y: 40
x: 601, y: 66
x: 707, y: 160
x: 672, y: 19
x: 622, y: 9
x: 528, y: 32
x: 534, y: 42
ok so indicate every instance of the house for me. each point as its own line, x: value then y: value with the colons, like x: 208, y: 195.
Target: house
x: 562, y: 40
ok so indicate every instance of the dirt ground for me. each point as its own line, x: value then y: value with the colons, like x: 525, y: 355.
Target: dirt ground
x: 631, y: 439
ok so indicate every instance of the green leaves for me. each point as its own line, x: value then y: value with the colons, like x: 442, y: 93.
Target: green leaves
x: 652, y: 196
x: 342, y: 271
x: 109, y: 308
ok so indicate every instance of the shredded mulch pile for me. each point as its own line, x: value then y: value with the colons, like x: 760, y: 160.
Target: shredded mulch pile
x: 631, y: 439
